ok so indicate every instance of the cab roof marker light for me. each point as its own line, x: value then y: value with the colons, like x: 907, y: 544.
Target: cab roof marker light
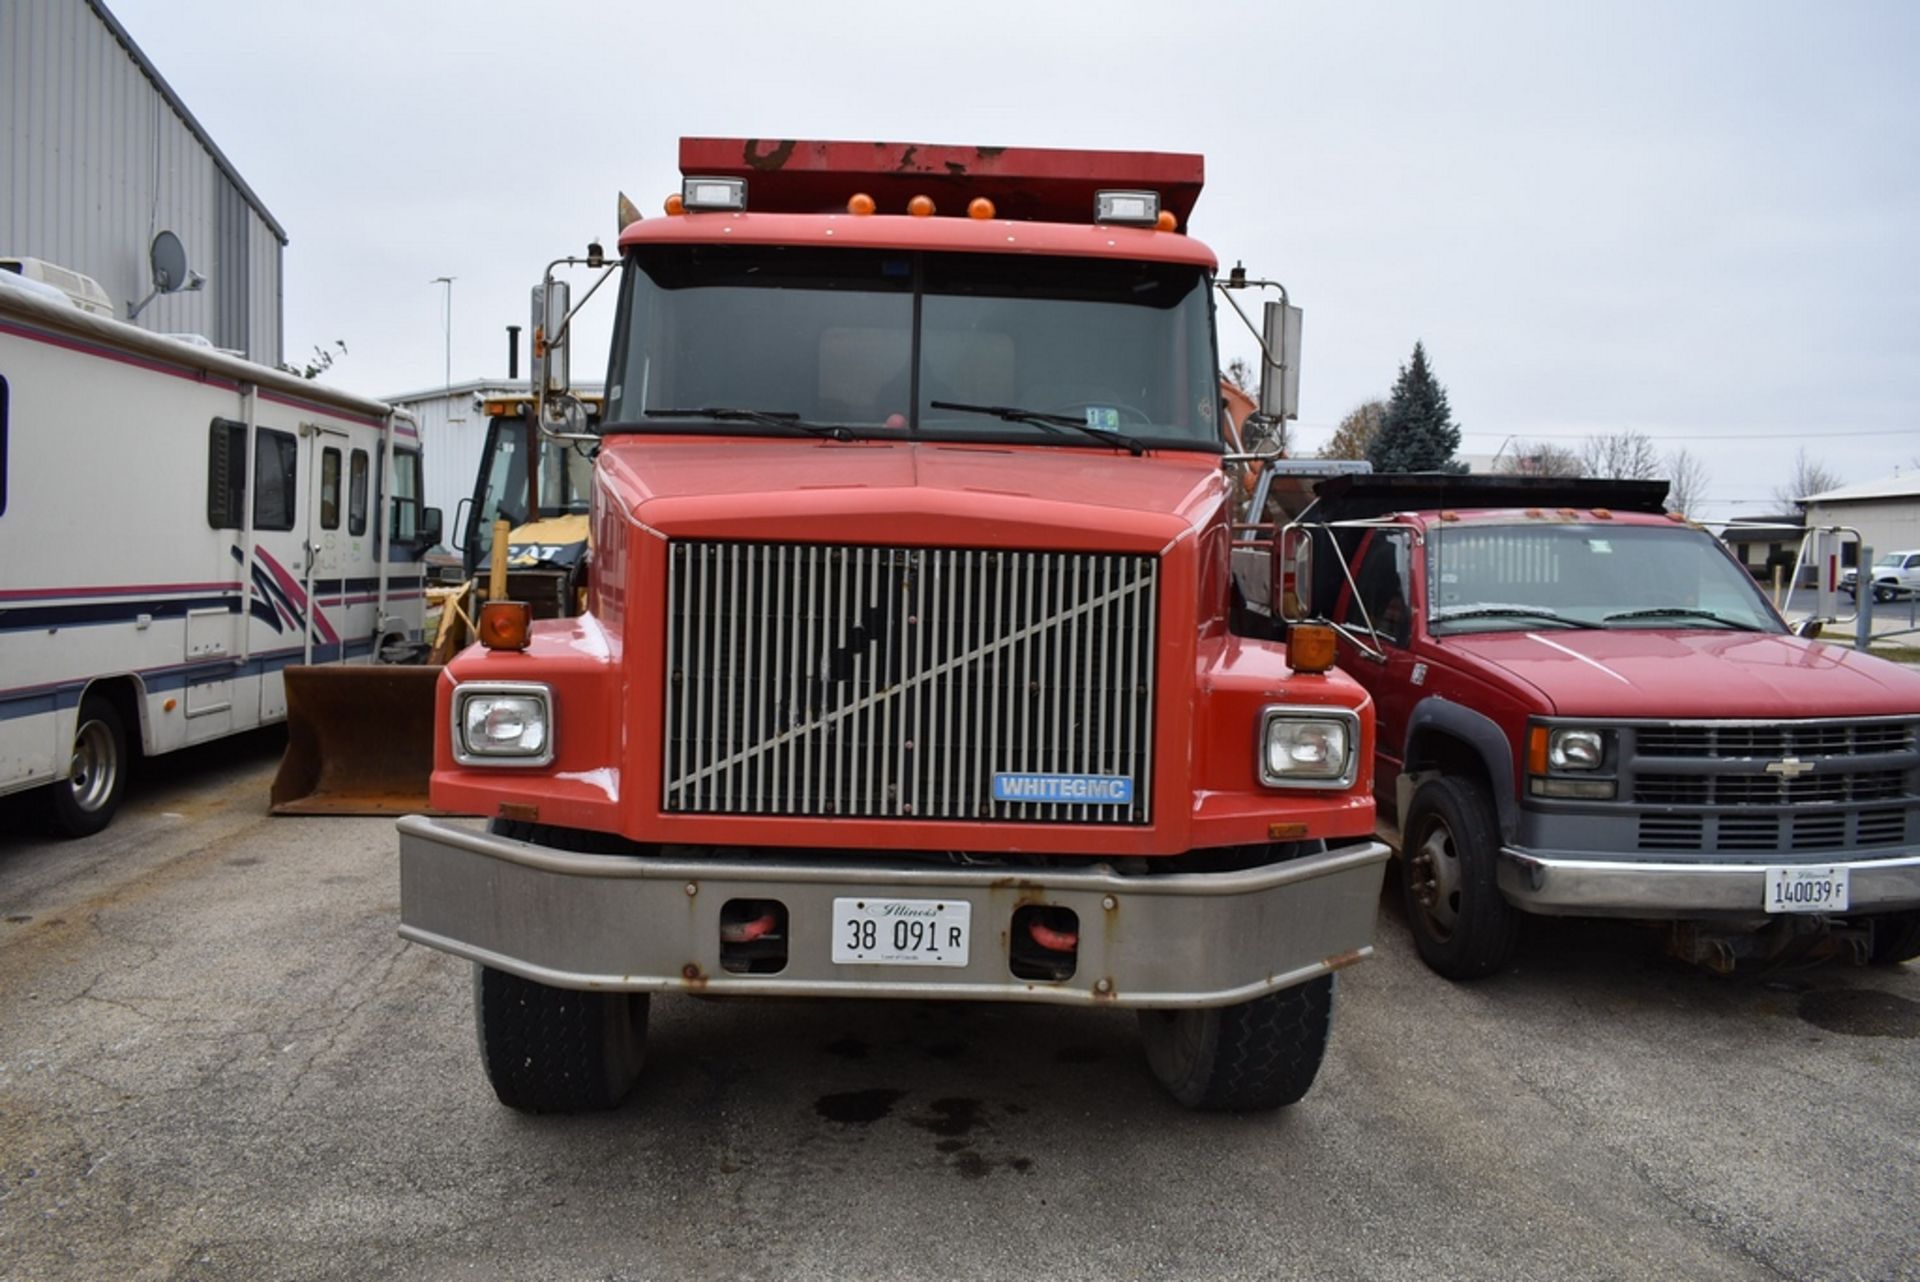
x: 1132, y: 208
x: 714, y: 193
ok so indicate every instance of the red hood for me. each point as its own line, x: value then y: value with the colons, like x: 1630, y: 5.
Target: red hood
x: 912, y: 492
x: 1694, y: 673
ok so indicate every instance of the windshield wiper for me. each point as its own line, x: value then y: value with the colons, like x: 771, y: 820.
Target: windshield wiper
x: 1681, y: 612
x: 1040, y: 418
x: 1510, y: 612
x: 765, y: 418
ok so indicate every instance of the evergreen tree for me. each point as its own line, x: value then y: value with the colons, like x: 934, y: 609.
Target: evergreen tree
x: 1418, y: 433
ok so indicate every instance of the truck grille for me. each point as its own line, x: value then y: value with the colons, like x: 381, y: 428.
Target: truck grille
x: 1751, y: 789
x: 896, y: 682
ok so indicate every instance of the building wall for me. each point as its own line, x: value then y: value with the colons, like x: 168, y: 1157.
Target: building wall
x: 95, y: 159
x: 1885, y: 525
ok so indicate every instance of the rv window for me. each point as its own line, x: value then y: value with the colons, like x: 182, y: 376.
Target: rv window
x: 357, y: 494
x: 226, y: 474
x: 330, y: 489
x: 406, y: 496
x: 3, y: 447
x: 273, y: 480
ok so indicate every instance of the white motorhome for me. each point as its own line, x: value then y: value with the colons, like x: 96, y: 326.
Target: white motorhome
x: 177, y: 526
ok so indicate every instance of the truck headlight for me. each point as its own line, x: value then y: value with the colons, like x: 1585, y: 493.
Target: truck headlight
x: 503, y: 724
x: 1308, y: 747
x: 1569, y: 749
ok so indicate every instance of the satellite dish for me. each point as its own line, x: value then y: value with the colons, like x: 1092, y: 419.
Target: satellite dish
x: 169, y: 259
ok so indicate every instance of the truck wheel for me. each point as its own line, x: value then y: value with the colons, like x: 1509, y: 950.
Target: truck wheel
x: 85, y: 801
x: 1883, y: 592
x: 1896, y: 938
x: 1259, y: 1055
x: 1462, y: 925
x: 554, y: 1050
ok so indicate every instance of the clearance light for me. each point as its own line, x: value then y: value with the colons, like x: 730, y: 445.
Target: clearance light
x: 1135, y: 208
x: 1308, y: 747
x: 921, y: 206
x: 503, y: 724
x: 860, y: 203
x: 714, y: 193
x: 505, y: 625
x: 980, y: 207
x: 1166, y: 221
x: 1310, y: 647
x: 674, y: 205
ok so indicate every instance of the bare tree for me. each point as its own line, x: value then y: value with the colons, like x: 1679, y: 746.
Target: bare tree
x: 1686, y: 482
x: 1356, y: 431
x: 1541, y: 458
x: 1239, y: 372
x: 1807, y: 477
x: 1625, y: 456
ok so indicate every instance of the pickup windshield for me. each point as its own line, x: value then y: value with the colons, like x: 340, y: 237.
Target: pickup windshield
x: 1484, y: 578
x: 949, y: 346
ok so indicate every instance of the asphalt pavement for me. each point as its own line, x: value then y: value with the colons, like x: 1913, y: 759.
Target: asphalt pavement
x: 217, y: 1061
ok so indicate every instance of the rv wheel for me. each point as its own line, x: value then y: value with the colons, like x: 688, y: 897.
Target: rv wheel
x: 84, y: 802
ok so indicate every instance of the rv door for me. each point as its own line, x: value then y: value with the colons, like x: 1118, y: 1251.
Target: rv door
x: 326, y: 471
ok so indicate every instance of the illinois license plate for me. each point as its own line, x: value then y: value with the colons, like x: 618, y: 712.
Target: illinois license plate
x: 1807, y: 890
x: 902, y: 932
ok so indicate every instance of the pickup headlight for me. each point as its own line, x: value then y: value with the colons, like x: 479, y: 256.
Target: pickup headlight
x: 503, y: 724
x: 1309, y: 747
x: 1556, y: 752
x: 1569, y: 749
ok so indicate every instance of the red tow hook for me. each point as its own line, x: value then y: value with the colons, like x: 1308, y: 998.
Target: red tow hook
x: 1054, y: 941
x: 745, y: 932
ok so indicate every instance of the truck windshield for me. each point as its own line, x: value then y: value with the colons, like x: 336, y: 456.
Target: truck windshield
x: 1485, y: 578
x: 941, y: 345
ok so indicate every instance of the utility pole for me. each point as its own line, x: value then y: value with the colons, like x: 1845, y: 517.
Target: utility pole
x: 448, y: 320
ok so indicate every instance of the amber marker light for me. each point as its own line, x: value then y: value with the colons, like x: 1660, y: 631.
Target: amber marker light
x: 1286, y: 832
x: 980, y: 207
x: 1310, y: 647
x: 675, y: 205
x: 860, y: 203
x: 1603, y: 514
x: 1166, y: 221
x: 1537, y: 750
x: 506, y: 625
x: 921, y: 206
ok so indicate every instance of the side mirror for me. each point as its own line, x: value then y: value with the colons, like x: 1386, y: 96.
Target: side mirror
x: 1280, y: 370
x: 460, y: 515
x: 1810, y: 627
x: 549, y: 366
x: 1293, y: 573
x: 430, y: 527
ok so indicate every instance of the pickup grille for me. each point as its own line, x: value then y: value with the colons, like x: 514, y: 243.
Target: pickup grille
x: 1743, y: 788
x: 815, y: 680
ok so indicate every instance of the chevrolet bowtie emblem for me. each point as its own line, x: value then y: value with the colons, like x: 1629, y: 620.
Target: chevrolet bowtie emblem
x: 1789, y: 767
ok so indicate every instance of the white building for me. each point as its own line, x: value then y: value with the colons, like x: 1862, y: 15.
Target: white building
x: 1886, y: 511
x: 98, y: 155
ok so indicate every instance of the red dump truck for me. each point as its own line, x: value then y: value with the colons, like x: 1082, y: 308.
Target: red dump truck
x: 908, y: 667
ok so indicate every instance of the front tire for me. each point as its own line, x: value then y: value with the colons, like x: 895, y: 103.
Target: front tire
x: 1258, y: 1055
x: 554, y: 1050
x: 1462, y: 925
x: 85, y: 801
x: 1896, y: 938
x: 1883, y: 592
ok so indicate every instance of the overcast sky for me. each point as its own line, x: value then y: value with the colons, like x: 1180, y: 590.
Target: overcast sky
x: 1698, y: 221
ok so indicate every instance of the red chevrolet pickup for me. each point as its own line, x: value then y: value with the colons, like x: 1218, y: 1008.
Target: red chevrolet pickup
x: 1586, y: 708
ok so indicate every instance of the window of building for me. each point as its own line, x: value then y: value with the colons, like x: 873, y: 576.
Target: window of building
x: 330, y: 489
x: 357, y: 494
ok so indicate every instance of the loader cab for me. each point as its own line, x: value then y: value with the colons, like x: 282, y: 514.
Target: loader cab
x: 501, y: 489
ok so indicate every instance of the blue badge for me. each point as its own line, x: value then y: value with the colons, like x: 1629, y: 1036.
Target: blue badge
x: 1076, y: 790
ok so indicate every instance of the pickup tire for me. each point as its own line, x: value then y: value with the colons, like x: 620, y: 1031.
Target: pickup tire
x: 1258, y: 1055
x: 85, y: 801
x: 554, y: 1050
x: 1884, y: 592
x: 1896, y: 938
x: 1462, y: 925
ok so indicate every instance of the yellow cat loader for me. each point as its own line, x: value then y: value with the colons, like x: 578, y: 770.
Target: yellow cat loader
x: 360, y: 738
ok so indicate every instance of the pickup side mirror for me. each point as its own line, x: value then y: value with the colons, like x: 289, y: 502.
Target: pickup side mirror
x: 1810, y: 628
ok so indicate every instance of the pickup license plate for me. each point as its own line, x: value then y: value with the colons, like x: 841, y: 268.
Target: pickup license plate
x: 1806, y: 890
x: 901, y: 932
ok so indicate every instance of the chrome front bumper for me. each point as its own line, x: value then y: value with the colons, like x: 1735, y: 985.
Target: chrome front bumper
x: 1623, y: 888
x: 647, y: 925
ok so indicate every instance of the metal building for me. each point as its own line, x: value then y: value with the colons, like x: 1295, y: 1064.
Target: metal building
x: 98, y: 154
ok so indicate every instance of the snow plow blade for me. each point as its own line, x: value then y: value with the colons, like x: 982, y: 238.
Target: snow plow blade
x: 359, y: 741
